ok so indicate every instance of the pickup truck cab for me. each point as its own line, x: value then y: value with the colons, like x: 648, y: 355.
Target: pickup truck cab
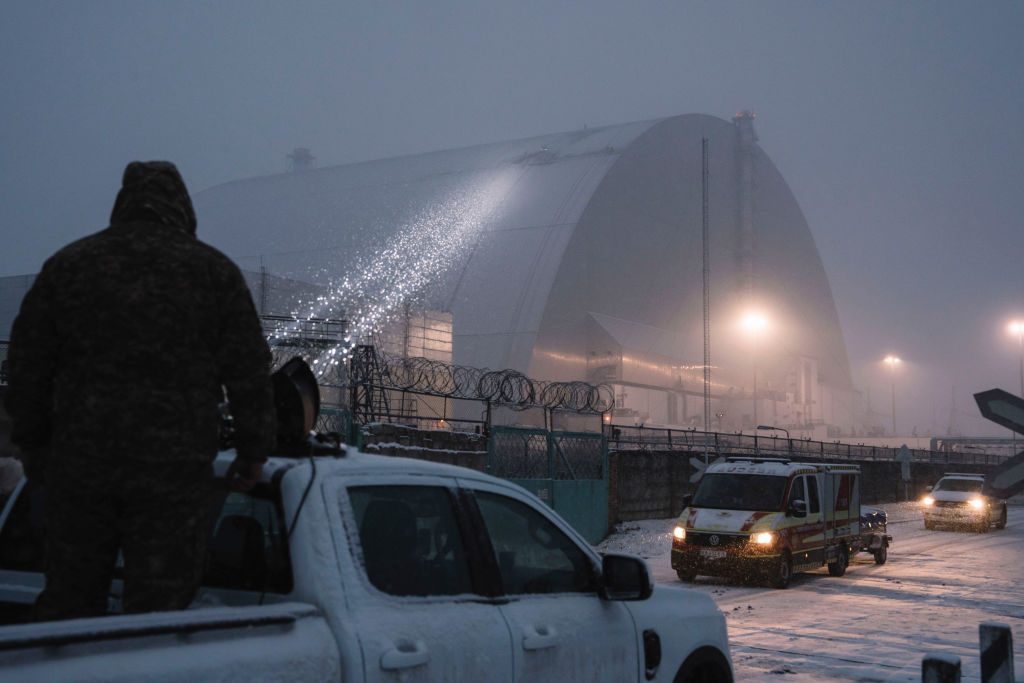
x: 958, y: 500
x: 358, y: 567
x: 766, y: 518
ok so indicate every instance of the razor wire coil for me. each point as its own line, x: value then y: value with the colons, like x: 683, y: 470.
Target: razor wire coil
x: 503, y: 387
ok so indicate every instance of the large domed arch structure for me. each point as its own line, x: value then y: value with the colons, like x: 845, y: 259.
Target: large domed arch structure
x: 576, y: 256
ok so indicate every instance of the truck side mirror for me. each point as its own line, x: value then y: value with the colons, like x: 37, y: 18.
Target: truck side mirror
x: 687, y: 499
x: 625, y: 577
x: 928, y: 488
x: 797, y: 508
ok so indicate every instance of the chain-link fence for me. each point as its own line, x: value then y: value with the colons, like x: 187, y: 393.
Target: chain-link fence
x: 522, y: 453
x: 518, y: 453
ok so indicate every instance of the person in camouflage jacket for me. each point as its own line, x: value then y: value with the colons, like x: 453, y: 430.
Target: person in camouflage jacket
x: 119, y: 359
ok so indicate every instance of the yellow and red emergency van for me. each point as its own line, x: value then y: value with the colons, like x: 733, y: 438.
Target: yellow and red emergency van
x: 766, y: 518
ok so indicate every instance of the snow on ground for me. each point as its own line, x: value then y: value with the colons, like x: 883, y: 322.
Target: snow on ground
x: 877, y: 622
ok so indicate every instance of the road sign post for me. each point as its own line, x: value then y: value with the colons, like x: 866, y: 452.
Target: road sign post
x: 1005, y: 410
x: 903, y: 457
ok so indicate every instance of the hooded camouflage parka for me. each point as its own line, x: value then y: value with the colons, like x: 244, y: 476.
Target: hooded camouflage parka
x: 124, y: 341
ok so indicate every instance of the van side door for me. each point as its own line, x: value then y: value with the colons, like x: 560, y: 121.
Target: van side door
x: 807, y: 537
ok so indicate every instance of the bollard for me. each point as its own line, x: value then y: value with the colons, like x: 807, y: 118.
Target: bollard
x: 939, y: 668
x: 996, y: 645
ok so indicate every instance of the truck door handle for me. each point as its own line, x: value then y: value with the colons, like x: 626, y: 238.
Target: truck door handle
x: 405, y: 655
x: 539, y: 637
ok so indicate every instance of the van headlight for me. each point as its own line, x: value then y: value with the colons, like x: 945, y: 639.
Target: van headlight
x: 976, y: 503
x: 928, y: 500
x: 680, y: 533
x: 763, y: 538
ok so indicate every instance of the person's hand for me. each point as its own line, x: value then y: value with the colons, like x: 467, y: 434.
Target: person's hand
x: 242, y: 475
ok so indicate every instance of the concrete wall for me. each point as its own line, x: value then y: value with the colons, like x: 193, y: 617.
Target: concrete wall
x: 651, y: 484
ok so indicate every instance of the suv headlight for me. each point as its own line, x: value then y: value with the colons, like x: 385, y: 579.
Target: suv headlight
x: 928, y: 500
x: 976, y: 503
x: 763, y: 538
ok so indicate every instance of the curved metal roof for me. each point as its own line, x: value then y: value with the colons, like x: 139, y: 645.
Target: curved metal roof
x: 529, y: 242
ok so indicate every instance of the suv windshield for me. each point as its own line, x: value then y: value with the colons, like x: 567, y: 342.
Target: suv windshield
x: 964, y: 485
x: 740, y: 492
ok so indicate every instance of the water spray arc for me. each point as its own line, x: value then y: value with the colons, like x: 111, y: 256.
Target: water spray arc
x: 427, y: 246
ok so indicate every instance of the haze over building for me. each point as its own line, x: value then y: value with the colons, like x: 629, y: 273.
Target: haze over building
x: 575, y: 256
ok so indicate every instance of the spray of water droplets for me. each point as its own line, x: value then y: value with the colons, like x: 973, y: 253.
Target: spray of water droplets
x: 375, y: 288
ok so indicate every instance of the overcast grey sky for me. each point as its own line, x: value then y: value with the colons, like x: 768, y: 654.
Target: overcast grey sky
x: 896, y: 124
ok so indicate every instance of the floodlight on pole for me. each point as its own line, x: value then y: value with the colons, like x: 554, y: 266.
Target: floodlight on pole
x: 893, y: 361
x: 754, y: 323
x: 1017, y: 328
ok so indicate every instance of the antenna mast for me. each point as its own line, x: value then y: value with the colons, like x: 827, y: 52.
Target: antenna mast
x: 706, y: 271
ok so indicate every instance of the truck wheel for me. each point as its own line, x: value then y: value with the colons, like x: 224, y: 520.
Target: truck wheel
x: 783, y: 571
x: 881, y: 555
x: 706, y: 665
x: 1001, y: 524
x: 929, y: 525
x: 687, y: 575
x: 838, y: 568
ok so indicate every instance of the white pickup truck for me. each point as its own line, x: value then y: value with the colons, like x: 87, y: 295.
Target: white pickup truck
x: 357, y: 567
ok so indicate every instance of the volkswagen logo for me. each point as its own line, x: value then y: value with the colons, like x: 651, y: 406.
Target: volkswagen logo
x: 714, y: 540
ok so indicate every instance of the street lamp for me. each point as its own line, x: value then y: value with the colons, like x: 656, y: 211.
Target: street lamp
x: 769, y: 428
x: 754, y: 323
x: 893, y: 361
x: 1017, y: 328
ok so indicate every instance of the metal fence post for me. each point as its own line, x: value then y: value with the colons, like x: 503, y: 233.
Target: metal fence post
x: 996, y: 646
x: 939, y: 668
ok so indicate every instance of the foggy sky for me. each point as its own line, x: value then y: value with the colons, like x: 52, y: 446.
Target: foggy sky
x: 896, y: 125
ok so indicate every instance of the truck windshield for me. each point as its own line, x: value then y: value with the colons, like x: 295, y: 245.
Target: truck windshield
x: 740, y: 492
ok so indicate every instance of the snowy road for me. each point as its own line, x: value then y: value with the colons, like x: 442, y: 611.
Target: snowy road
x: 876, y: 622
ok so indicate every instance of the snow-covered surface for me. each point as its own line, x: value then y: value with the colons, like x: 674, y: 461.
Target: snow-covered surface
x: 877, y: 622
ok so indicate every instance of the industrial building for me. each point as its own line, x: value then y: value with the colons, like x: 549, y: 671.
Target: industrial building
x: 572, y: 256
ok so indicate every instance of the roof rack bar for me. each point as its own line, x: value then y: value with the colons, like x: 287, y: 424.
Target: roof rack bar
x: 745, y: 458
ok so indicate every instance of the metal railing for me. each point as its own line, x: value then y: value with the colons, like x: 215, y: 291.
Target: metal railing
x: 621, y: 437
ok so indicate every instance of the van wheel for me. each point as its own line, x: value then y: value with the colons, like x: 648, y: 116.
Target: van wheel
x: 838, y: 568
x: 687, y: 575
x: 881, y: 555
x: 783, y: 571
x: 1001, y: 524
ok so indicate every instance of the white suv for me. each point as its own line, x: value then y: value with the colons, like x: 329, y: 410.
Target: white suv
x: 957, y: 500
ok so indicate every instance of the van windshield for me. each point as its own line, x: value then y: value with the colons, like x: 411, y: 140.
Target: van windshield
x: 740, y: 492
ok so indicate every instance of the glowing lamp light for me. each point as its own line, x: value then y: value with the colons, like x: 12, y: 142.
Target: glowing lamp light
x: 928, y: 500
x: 976, y: 503
x: 763, y: 538
x: 680, y: 533
x: 754, y: 322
